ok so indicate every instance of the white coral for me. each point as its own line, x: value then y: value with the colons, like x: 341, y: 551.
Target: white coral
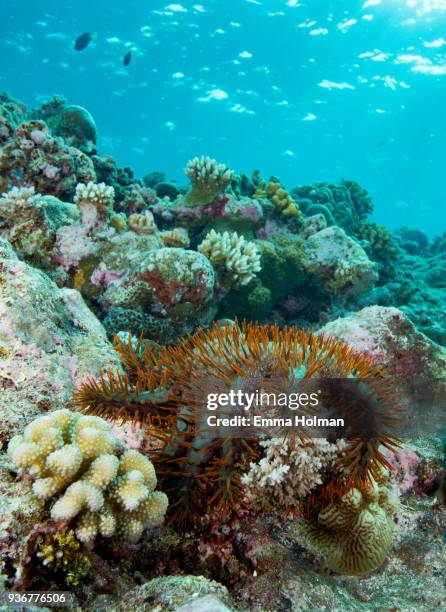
x: 209, y: 179
x: 236, y: 260
x: 94, y: 200
x: 17, y: 199
x: 290, y: 469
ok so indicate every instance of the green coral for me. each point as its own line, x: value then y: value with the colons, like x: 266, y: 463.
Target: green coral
x: 89, y: 478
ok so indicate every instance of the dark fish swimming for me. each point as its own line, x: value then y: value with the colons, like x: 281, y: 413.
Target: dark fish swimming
x: 127, y: 59
x: 83, y: 41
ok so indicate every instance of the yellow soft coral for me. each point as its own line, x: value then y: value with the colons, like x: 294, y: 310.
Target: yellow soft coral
x: 99, y: 486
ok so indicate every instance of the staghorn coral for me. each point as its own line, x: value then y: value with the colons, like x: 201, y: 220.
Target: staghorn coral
x: 100, y: 487
x: 290, y: 469
x: 166, y: 390
x: 95, y: 201
x: 209, y: 180
x: 355, y: 532
x: 236, y: 260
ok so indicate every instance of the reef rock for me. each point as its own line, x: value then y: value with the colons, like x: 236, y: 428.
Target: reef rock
x: 185, y: 593
x: 339, y: 263
x: 387, y: 335
x: 49, y: 339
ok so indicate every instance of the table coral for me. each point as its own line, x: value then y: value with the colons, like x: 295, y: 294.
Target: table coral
x: 356, y: 532
x: 96, y: 484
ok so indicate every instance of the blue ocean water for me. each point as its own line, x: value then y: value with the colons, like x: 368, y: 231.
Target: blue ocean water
x: 306, y: 91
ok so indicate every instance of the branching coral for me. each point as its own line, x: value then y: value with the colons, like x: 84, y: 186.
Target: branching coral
x: 354, y: 533
x: 209, y: 179
x: 17, y: 201
x: 236, y: 260
x: 102, y: 488
x: 291, y: 469
x: 167, y: 390
x: 95, y: 200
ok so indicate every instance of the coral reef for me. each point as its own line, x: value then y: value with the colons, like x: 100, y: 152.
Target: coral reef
x: 94, y: 200
x: 235, y: 260
x: 77, y: 460
x: 356, y: 532
x: 60, y: 551
x: 209, y: 180
x: 345, y: 204
x: 157, y: 259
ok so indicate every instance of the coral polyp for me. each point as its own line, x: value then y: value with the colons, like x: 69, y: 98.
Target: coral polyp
x: 200, y: 467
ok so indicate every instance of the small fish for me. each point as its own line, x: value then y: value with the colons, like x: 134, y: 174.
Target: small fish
x: 83, y: 41
x: 127, y: 59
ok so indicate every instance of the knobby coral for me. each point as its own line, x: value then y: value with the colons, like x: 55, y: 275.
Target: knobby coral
x: 202, y: 469
x: 236, y: 260
x: 96, y: 483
